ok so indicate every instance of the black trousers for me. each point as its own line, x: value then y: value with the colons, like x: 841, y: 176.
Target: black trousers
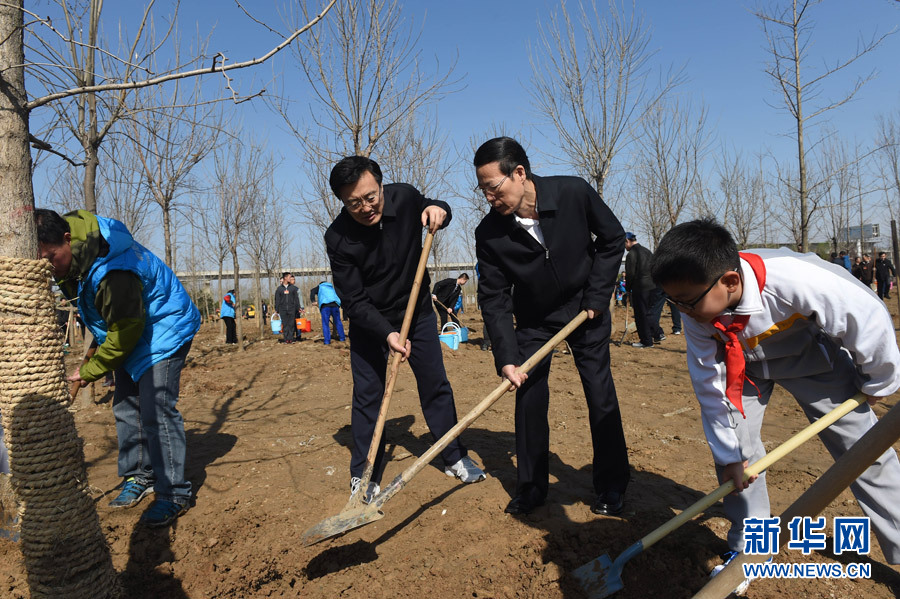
x: 288, y: 325
x: 642, y: 301
x: 368, y: 361
x: 590, y: 348
x: 883, y: 287
x: 444, y: 315
x: 230, y: 329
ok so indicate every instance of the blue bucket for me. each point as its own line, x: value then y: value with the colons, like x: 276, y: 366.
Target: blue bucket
x: 452, y: 338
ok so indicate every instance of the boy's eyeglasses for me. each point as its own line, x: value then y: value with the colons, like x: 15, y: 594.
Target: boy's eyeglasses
x: 688, y: 306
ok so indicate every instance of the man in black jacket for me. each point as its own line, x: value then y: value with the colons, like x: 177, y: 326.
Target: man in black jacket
x: 643, y: 291
x: 447, y: 292
x: 539, y: 261
x: 287, y: 303
x: 884, y: 270
x: 374, y: 246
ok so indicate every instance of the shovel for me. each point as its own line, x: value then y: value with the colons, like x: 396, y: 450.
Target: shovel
x: 625, y: 330
x: 349, y: 518
x: 356, y: 500
x: 602, y: 577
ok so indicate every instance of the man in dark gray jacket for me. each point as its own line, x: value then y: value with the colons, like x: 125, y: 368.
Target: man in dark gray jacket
x: 641, y: 287
x: 287, y: 303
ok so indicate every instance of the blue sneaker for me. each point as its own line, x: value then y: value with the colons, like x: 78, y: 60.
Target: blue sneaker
x: 162, y: 513
x: 131, y: 494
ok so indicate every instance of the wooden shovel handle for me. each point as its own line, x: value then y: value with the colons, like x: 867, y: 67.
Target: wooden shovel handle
x: 757, y: 467
x: 395, y: 365
x: 816, y: 498
x: 400, y: 481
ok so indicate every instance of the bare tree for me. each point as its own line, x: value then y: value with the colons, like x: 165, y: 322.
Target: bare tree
x: 788, y: 33
x: 172, y: 132
x: 671, y: 153
x: 366, y: 76
x: 743, y: 192
x: 888, y: 148
x: 262, y: 237
x: 18, y: 239
x: 590, y: 80
x: 123, y: 194
x: 416, y: 153
x: 241, y: 170
x: 70, y: 58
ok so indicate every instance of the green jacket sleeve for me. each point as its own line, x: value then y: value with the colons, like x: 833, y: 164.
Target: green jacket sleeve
x: 120, y: 304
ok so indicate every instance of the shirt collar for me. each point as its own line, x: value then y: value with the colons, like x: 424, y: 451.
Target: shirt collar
x: 751, y: 297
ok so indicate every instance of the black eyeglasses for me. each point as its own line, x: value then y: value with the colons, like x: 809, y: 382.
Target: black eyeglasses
x: 688, y: 306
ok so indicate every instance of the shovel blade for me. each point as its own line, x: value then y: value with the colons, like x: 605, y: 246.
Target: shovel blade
x: 341, y: 523
x: 598, y: 579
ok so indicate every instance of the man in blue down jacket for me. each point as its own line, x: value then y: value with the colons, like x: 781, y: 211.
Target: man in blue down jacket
x: 144, y: 322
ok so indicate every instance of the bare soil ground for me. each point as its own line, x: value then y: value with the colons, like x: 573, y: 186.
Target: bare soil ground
x: 268, y: 434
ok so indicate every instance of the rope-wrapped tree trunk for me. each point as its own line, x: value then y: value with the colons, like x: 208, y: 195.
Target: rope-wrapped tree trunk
x: 64, y: 549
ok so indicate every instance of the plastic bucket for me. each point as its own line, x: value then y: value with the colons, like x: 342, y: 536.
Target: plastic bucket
x: 452, y: 338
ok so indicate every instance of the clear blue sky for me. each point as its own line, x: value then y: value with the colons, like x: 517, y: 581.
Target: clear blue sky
x: 720, y: 44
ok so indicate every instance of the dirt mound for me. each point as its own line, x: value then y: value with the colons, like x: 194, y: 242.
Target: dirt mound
x: 268, y: 435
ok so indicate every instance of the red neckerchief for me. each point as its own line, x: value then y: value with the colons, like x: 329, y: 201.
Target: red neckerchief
x: 735, y: 365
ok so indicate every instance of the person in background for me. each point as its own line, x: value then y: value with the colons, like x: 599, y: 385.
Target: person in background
x: 287, y: 304
x: 227, y: 314
x: 844, y: 260
x: 867, y: 271
x: 143, y: 322
x: 447, y: 292
x: 301, y: 310
x: 326, y: 298
x: 884, y: 270
x: 642, y: 291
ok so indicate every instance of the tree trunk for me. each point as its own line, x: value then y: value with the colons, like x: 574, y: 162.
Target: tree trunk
x: 167, y: 234
x: 801, y: 156
x: 238, y: 320
x: 89, y: 184
x: 257, y: 284
x: 219, y: 299
x: 64, y: 550
x: 18, y: 237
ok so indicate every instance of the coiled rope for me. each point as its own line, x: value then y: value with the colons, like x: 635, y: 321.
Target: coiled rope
x: 65, y: 552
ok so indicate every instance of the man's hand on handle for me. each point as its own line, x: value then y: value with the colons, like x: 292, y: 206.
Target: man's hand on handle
x: 433, y: 217
x: 515, y: 378
x: 393, y: 341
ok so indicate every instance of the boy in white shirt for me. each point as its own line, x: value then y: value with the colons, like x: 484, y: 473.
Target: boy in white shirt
x: 775, y: 316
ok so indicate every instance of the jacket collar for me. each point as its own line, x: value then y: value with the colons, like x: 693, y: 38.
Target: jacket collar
x: 751, y: 295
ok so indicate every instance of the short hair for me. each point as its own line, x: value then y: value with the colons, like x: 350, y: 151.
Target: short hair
x: 350, y: 169
x: 843, y: 252
x: 285, y: 274
x: 464, y: 275
x: 695, y: 252
x: 505, y: 150
x: 51, y: 227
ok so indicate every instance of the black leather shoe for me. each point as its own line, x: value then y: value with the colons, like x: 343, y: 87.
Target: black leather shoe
x: 609, y: 503
x: 522, y: 504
